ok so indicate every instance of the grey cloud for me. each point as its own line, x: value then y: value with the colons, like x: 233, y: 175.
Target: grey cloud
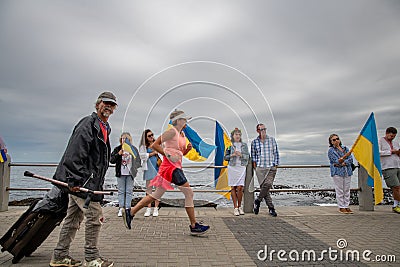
x: 322, y: 66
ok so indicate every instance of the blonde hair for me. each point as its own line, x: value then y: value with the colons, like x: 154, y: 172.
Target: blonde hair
x: 125, y: 135
x: 236, y: 130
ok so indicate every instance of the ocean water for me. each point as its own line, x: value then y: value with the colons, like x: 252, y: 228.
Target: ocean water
x: 201, y: 179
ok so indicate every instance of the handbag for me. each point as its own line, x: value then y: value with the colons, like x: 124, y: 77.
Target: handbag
x: 353, y: 167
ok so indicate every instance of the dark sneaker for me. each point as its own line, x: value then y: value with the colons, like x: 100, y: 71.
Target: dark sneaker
x: 256, y: 208
x: 273, y: 213
x: 198, y: 229
x: 99, y: 262
x: 65, y: 262
x: 128, y: 218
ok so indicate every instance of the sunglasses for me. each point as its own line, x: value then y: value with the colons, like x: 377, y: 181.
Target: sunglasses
x: 109, y: 103
x: 150, y: 135
x: 335, y: 139
x: 263, y: 129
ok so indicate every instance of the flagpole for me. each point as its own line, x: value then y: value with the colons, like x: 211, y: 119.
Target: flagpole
x: 341, y: 160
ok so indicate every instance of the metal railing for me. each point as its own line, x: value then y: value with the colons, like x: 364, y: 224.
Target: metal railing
x: 364, y: 198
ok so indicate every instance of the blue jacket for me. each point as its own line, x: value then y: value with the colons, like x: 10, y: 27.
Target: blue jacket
x: 336, y: 169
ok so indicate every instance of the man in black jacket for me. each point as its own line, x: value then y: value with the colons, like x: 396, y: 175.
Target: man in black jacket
x: 84, y: 164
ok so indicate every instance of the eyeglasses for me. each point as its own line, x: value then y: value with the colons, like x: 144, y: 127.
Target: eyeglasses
x: 150, y: 135
x: 262, y: 129
x: 335, y: 139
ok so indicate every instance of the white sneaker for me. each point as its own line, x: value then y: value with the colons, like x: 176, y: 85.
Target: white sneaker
x: 121, y: 210
x: 241, y: 212
x: 236, y: 211
x: 148, y: 212
x: 99, y: 262
x: 155, y: 212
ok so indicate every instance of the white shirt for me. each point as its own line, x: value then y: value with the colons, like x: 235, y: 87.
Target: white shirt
x: 388, y: 160
x: 238, y: 147
x: 126, y: 163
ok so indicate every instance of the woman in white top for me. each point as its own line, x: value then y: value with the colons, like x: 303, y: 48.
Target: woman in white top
x: 238, y: 157
x: 149, y: 159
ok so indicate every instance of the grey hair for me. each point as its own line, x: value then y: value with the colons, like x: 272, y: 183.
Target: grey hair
x: 96, y: 105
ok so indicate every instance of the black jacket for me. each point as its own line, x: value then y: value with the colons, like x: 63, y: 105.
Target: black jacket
x: 85, y: 160
x: 117, y: 160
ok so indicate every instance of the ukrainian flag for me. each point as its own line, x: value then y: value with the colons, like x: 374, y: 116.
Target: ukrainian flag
x: 222, y: 142
x: 201, y: 150
x: 3, y: 156
x: 366, y: 151
x: 127, y: 146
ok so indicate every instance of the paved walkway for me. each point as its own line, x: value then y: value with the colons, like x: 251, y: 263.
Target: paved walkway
x: 298, y: 232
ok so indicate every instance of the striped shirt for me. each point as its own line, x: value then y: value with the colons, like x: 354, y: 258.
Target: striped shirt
x: 265, y: 154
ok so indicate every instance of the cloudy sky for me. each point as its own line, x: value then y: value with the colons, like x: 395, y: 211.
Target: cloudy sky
x: 305, y: 68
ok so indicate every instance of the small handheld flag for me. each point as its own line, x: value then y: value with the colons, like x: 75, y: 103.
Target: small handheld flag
x: 3, y: 156
x: 127, y: 146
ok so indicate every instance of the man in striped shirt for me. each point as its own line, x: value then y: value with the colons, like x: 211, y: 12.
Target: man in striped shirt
x: 265, y: 157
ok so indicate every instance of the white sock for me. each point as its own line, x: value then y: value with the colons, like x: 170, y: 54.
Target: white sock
x: 395, y: 203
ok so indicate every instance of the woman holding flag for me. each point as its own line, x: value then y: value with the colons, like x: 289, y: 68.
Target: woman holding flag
x: 341, y: 172
x: 127, y: 161
x: 172, y: 145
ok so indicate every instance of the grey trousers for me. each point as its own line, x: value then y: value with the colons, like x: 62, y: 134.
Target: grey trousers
x: 75, y: 215
x: 266, y: 178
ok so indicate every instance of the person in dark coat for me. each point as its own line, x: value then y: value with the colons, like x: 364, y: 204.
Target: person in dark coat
x: 84, y: 164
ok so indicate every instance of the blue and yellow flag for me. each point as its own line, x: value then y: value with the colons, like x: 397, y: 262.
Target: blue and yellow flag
x: 3, y: 156
x: 127, y: 146
x: 366, y: 152
x: 201, y: 150
x: 222, y: 142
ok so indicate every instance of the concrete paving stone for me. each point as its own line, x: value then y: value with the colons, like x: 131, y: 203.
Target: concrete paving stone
x: 231, y: 241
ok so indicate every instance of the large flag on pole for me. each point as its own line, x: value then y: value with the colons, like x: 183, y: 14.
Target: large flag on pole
x: 201, y: 150
x: 366, y: 152
x: 222, y: 142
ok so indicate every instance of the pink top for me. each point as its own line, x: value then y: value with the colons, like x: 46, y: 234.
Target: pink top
x: 173, y: 149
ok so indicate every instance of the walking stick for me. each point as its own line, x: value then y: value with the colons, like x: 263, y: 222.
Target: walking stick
x: 82, y: 189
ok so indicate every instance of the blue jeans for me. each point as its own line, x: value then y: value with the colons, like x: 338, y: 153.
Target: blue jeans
x: 125, y: 187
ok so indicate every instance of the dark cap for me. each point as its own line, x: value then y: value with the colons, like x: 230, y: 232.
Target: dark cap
x: 107, y: 97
